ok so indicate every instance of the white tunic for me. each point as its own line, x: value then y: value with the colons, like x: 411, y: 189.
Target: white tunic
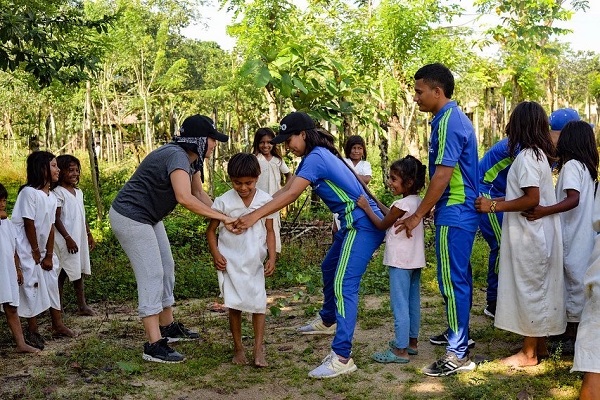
x: 72, y: 216
x: 587, y: 345
x: 577, y: 232
x: 9, y: 287
x: 243, y: 283
x: 401, y: 251
x: 40, y: 288
x: 530, y: 278
x: 269, y: 181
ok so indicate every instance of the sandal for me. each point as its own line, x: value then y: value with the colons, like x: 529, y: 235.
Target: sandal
x: 409, y: 350
x: 388, y: 356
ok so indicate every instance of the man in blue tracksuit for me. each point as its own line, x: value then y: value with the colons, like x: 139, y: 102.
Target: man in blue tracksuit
x: 453, y: 170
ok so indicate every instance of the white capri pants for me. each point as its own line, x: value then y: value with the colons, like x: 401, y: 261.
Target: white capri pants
x: 149, y: 251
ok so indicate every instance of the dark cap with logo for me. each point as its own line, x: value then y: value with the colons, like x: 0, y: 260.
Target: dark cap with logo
x: 293, y: 123
x: 199, y: 126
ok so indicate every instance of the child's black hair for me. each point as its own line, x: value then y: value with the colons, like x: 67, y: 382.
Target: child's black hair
x: 354, y: 140
x: 63, y: 162
x: 412, y: 170
x: 38, y: 169
x: 3, y: 192
x: 578, y: 142
x: 243, y: 165
x: 261, y: 133
x: 528, y: 128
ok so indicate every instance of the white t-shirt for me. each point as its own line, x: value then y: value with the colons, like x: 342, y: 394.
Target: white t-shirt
x: 9, y: 288
x: 401, y: 251
x: 270, y: 173
x: 362, y: 168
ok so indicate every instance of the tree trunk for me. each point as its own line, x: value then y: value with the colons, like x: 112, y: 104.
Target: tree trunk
x: 92, y: 154
x: 270, y: 96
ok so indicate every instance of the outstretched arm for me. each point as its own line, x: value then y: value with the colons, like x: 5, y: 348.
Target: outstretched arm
x: 530, y: 199
x: 281, y: 199
x: 391, y: 215
x: 569, y: 203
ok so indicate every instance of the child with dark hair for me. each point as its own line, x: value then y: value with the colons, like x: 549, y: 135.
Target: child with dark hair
x: 33, y: 216
x: 404, y: 256
x: 74, y: 238
x: 242, y: 273
x: 578, y: 165
x: 355, y: 150
x: 272, y: 167
x: 530, y: 279
x: 11, y: 276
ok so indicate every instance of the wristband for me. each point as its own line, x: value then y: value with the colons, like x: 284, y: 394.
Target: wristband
x: 493, y: 206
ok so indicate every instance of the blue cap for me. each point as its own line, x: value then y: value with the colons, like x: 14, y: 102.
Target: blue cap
x: 559, y: 118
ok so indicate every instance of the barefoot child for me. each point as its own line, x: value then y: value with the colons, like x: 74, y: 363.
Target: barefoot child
x: 74, y: 239
x: 33, y: 216
x: 242, y: 273
x: 405, y: 256
x: 530, y: 279
x: 11, y: 276
x: 578, y: 165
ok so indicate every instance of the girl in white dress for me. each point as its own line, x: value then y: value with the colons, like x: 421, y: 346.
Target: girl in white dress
x: 578, y: 165
x: 272, y: 167
x: 11, y: 276
x: 33, y: 217
x: 72, y: 237
x: 240, y: 258
x: 530, y: 281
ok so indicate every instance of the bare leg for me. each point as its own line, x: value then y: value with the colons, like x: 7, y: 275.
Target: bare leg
x: 590, y: 388
x: 413, y: 343
x: 165, y: 317
x: 62, y: 277
x: 32, y: 325
x: 151, y: 328
x: 527, y: 356
x: 542, y: 348
x: 15, y: 327
x: 258, y: 323
x: 235, y: 325
x: 58, y: 326
x: 84, y: 309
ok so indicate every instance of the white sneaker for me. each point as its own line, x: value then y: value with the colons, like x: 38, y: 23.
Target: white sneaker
x: 332, y: 367
x: 317, y: 327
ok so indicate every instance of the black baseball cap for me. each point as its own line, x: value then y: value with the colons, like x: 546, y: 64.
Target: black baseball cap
x: 199, y: 126
x: 293, y: 123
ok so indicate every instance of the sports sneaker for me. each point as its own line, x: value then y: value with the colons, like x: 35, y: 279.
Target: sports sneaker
x: 34, y: 339
x: 161, y: 352
x: 490, y: 309
x: 442, y: 340
x: 175, y: 332
x: 331, y: 366
x: 448, y: 365
x: 317, y: 327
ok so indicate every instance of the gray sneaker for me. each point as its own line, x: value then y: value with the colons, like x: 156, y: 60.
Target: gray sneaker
x: 449, y: 364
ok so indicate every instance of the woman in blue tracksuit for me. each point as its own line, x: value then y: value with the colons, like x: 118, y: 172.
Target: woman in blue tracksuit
x: 337, y: 185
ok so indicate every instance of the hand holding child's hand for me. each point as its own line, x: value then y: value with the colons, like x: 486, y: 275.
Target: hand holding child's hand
x: 534, y: 213
x: 269, y: 267
x: 362, y: 202
x: 220, y: 262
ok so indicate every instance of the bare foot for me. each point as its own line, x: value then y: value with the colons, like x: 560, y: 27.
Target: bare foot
x: 62, y: 330
x: 26, y: 349
x: 86, y: 311
x: 260, y: 359
x: 239, y: 358
x: 520, y: 360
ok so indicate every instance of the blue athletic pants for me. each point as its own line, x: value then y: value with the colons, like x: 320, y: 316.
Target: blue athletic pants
x: 343, y: 268
x: 453, y: 247
x: 490, y: 226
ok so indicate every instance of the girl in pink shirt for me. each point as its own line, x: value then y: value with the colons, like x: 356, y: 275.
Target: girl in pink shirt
x: 405, y: 256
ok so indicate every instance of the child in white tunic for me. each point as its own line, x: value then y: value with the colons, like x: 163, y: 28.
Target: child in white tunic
x: 530, y: 280
x: 272, y: 167
x: 72, y: 237
x: 587, y: 345
x: 239, y: 258
x: 33, y: 217
x: 11, y: 276
x: 578, y: 165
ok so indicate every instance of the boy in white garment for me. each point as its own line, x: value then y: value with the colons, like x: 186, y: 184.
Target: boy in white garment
x: 242, y: 273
